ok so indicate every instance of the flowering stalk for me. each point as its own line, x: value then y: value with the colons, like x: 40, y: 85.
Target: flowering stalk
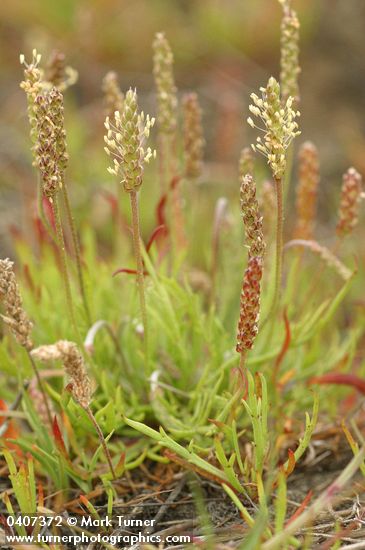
x: 32, y: 86
x: 251, y: 217
x: 249, y: 307
x: 167, y: 104
x: 50, y: 164
x: 163, y: 61
x: 80, y: 386
x: 289, y: 61
x: 125, y: 140
x: 57, y: 118
x: 250, y: 294
x: 194, y: 141
x: 18, y: 321
x: 280, y: 128
x: 307, y: 189
x: 351, y: 195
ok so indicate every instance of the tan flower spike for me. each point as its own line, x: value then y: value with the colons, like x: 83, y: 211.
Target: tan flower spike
x: 125, y: 143
x: 16, y: 318
x: 73, y: 363
x: 280, y: 126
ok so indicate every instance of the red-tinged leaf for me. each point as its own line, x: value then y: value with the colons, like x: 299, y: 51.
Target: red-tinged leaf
x: 58, y: 437
x: 291, y: 463
x: 301, y: 508
x: 159, y: 231
x: 128, y: 271
x: 341, y: 379
x: 160, y: 211
x: 284, y: 348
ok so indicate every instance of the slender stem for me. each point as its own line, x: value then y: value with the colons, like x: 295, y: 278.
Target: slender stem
x: 62, y: 252
x: 279, y: 242
x: 139, y: 263
x: 102, y: 439
x: 76, y: 244
x: 41, y: 387
x: 279, y: 249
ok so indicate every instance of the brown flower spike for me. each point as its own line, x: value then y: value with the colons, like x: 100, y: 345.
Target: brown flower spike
x: 307, y: 190
x: 16, y: 318
x: 250, y: 305
x: 163, y: 61
x: 349, y: 203
x: 251, y: 217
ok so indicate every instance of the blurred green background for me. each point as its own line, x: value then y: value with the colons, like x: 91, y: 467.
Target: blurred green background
x: 225, y: 49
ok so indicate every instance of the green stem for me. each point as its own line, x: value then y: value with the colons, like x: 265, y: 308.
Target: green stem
x: 279, y: 249
x: 102, y: 440
x: 139, y: 264
x: 64, y: 271
x: 279, y: 243
x: 76, y: 244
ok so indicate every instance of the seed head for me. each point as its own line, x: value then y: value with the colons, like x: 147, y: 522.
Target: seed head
x: 16, y: 318
x: 55, y: 98
x: 113, y: 96
x: 246, y: 162
x: 280, y: 127
x: 47, y: 148
x: 163, y: 61
x: 193, y: 136
x: 125, y: 140
x: 251, y: 217
x: 73, y: 363
x: 350, y: 202
x: 289, y: 61
x: 307, y: 190
x: 250, y: 305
